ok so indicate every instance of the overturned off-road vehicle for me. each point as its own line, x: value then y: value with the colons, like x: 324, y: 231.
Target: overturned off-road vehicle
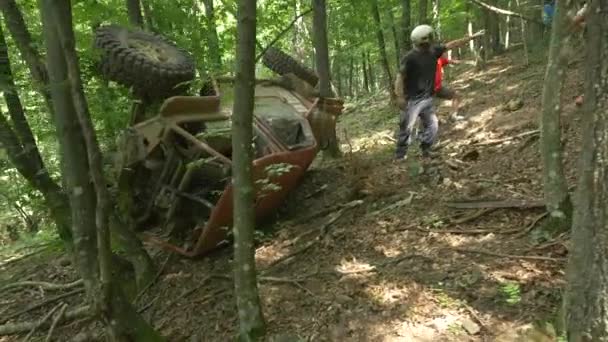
x: 177, y: 164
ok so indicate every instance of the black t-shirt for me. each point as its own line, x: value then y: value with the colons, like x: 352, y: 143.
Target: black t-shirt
x: 420, y: 67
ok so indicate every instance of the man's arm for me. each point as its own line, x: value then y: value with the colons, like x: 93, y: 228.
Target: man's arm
x: 459, y: 42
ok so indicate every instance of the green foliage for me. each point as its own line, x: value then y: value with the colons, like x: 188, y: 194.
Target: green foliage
x: 511, y: 292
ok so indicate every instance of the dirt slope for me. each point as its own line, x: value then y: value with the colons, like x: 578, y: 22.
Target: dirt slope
x: 376, y: 255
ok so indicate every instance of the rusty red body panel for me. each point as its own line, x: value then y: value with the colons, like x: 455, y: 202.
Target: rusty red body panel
x: 211, y: 235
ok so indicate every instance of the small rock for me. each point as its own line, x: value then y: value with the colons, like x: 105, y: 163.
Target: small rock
x: 343, y: 299
x: 65, y: 261
x: 471, y: 327
x: 514, y: 104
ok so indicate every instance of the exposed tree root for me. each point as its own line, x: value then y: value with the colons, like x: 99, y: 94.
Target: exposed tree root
x: 41, y: 304
x: 509, y: 256
x: 532, y: 224
x: 500, y: 141
x: 473, y: 216
x: 43, y: 285
x: 40, y: 322
x: 17, y: 328
x: 55, y: 322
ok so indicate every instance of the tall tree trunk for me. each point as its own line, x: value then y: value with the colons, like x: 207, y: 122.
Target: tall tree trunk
x: 74, y: 164
x: 213, y: 40
x: 134, y: 13
x: 148, y: 15
x: 423, y: 10
x: 323, y: 123
x: 24, y: 153
x: 587, y: 272
x: 556, y: 194
x: 136, y: 254
x: 382, y: 47
x: 23, y: 40
x: 251, y: 319
x: 321, y: 47
x: 365, y: 73
x: 436, y: 18
x: 508, y: 27
x: 524, y: 36
x: 351, y: 76
x: 391, y: 23
x: 372, y: 74
x: 81, y: 159
x: 494, y: 31
x: 406, y: 25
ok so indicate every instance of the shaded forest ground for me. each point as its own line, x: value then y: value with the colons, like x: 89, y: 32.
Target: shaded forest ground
x: 376, y: 255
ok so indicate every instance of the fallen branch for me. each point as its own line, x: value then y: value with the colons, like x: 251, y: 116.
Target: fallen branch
x: 294, y: 282
x: 323, y: 230
x: 396, y: 205
x: 480, y: 204
x: 532, y: 224
x: 509, y: 256
x: 55, y: 322
x: 18, y: 328
x: 385, y: 263
x: 325, y: 212
x: 151, y: 283
x: 460, y: 231
x: 500, y: 141
x: 316, y: 192
x: 473, y: 216
x: 40, y: 322
x: 20, y: 258
x: 43, y: 285
x: 43, y: 303
x: 505, y: 12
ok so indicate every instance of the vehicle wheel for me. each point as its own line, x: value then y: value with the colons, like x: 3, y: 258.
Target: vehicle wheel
x: 149, y: 63
x: 282, y: 63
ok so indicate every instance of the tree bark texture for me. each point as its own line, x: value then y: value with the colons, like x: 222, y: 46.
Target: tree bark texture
x: 213, y: 41
x: 587, y: 272
x: 23, y: 40
x: 406, y: 24
x: 251, y: 319
x: 81, y: 160
x: 365, y: 74
x: 74, y: 164
x: 324, y: 124
x: 391, y: 24
x: 134, y: 13
x: 554, y: 179
x: 24, y: 154
x: 423, y: 10
x: 382, y: 47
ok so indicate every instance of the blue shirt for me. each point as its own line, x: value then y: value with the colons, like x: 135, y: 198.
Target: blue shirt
x: 548, y: 10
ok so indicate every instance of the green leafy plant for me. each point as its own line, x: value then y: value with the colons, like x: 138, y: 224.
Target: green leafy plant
x: 511, y: 292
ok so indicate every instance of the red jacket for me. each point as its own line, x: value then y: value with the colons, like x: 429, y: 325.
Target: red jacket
x: 439, y: 73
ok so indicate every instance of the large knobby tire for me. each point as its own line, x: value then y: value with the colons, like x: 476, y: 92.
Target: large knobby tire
x: 151, y: 64
x: 281, y: 63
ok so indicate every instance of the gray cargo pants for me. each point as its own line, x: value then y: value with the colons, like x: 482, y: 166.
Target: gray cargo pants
x: 407, y: 119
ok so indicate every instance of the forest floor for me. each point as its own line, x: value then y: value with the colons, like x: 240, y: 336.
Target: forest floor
x: 368, y: 250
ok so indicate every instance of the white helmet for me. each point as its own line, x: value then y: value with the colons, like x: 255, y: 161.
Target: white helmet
x: 422, y: 34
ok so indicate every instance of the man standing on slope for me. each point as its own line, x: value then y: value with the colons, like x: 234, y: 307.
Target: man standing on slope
x: 415, y: 87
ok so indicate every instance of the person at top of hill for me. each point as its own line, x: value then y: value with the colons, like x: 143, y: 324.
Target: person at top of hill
x: 415, y: 87
x: 548, y: 11
x: 444, y: 92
